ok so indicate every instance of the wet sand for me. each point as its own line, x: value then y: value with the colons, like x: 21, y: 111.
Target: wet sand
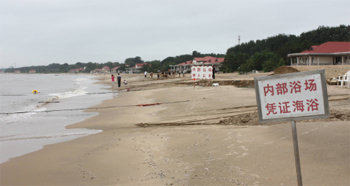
x: 191, y: 136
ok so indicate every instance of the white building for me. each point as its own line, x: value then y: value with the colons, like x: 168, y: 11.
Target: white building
x: 329, y: 53
x: 203, y: 61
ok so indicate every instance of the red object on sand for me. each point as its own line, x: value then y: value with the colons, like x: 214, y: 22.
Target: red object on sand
x: 149, y: 104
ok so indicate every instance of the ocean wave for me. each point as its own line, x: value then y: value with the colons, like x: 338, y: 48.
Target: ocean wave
x: 81, y: 90
x: 29, y: 111
x: 78, y: 92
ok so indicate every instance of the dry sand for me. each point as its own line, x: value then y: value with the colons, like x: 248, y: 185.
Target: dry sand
x: 191, y: 136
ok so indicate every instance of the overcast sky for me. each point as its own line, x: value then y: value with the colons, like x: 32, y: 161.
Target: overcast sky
x: 40, y: 32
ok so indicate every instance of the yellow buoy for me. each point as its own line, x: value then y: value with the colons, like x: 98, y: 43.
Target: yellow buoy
x: 35, y: 91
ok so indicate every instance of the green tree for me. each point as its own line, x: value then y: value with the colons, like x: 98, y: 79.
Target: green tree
x: 233, y: 61
x: 280, y: 46
x: 196, y: 54
x: 132, y: 61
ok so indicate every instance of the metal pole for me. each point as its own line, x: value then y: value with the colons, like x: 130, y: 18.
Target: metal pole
x: 296, y: 153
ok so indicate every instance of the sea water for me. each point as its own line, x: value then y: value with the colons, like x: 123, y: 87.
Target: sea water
x: 29, y: 121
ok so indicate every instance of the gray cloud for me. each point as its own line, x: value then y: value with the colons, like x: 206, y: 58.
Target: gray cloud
x: 36, y: 32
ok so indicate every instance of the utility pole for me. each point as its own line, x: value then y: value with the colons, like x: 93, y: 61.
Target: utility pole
x: 239, y: 40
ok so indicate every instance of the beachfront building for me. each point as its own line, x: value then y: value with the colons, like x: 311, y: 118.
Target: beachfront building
x: 329, y: 53
x: 115, y: 69
x: 103, y: 70
x: 76, y: 70
x: 106, y: 68
x: 32, y: 71
x: 197, y: 61
x: 136, y: 69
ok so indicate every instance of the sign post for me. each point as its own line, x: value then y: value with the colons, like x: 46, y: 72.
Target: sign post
x: 291, y: 97
x: 296, y: 153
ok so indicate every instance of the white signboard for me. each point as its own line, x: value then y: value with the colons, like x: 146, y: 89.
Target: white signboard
x: 201, y: 72
x: 293, y: 96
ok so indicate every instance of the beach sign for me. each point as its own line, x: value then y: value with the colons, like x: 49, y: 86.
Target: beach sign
x: 201, y: 72
x: 293, y: 96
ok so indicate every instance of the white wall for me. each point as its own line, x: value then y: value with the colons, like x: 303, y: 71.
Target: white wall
x: 324, y: 60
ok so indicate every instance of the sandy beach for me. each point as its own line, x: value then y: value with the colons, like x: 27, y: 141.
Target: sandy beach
x: 168, y: 132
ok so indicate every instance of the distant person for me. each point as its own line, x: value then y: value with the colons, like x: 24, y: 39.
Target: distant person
x: 213, y: 72
x: 145, y: 74
x: 119, y: 78
x: 113, y: 79
x: 158, y: 74
x: 125, y: 82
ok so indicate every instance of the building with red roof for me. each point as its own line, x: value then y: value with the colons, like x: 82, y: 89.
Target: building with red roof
x: 208, y: 60
x: 137, y: 68
x: 76, y: 70
x: 329, y: 53
x: 32, y: 71
x: 106, y: 68
x: 103, y: 70
x: 197, y: 61
x: 139, y: 65
x: 115, y: 69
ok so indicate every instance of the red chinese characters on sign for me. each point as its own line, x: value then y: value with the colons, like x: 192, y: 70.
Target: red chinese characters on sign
x: 271, y: 108
x: 298, y: 106
x: 293, y: 96
x: 284, y: 106
x: 293, y: 87
x: 310, y: 85
x: 312, y: 104
x: 201, y: 72
x: 281, y: 88
x: 268, y: 89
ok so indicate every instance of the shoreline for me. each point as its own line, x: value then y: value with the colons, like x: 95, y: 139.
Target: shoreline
x: 33, y: 120
x: 200, y: 154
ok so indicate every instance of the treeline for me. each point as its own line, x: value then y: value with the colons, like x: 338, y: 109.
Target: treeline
x: 270, y: 53
x: 151, y: 66
x: 64, y: 68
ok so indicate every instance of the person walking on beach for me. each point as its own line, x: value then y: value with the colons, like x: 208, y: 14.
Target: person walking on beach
x: 119, y: 79
x: 113, y: 79
x: 145, y: 74
x: 213, y: 72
